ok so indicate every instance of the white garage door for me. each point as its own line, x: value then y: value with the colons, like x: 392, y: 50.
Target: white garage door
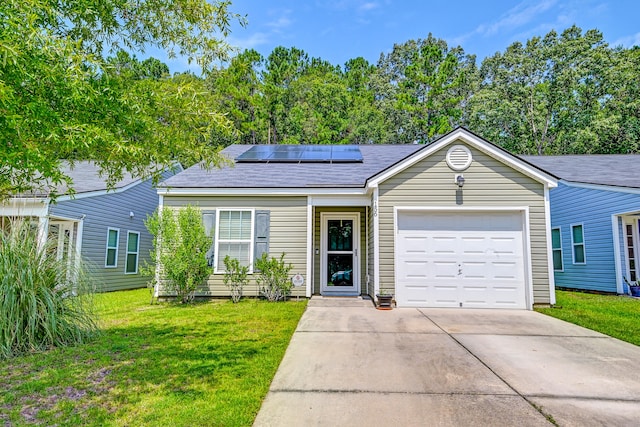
x: 471, y: 259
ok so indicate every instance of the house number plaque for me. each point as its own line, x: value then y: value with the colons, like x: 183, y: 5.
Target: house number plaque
x: 297, y: 280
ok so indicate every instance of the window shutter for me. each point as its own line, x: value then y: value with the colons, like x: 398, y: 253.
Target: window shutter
x: 209, y: 221
x: 261, y: 235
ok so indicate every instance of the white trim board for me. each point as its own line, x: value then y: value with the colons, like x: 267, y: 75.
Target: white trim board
x: 467, y: 137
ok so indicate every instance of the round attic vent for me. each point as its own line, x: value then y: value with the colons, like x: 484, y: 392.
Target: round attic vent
x: 458, y: 157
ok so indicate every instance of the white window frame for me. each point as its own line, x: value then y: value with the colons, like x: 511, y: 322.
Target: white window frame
x: 106, y: 252
x: 574, y: 244
x: 251, y: 241
x: 560, y: 248
x: 137, y: 252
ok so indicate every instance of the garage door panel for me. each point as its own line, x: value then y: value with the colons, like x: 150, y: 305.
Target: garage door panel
x: 473, y: 259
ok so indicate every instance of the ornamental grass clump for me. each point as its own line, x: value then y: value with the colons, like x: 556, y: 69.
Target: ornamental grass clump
x: 44, y: 302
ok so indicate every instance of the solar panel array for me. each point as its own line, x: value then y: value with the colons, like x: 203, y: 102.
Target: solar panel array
x: 301, y: 154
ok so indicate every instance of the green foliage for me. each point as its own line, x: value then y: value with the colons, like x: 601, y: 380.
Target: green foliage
x: 235, y: 277
x: 61, y: 100
x: 422, y: 87
x: 613, y: 315
x: 44, y: 302
x: 179, y: 247
x: 273, y: 280
x: 205, y: 364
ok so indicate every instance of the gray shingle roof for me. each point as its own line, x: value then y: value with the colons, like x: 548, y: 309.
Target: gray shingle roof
x: 376, y: 158
x: 619, y: 170
x: 86, y: 178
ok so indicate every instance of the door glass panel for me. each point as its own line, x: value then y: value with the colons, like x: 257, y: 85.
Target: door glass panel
x: 340, y: 268
x: 340, y: 235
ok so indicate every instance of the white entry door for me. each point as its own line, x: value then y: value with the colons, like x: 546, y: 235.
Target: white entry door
x: 469, y: 259
x: 340, y: 247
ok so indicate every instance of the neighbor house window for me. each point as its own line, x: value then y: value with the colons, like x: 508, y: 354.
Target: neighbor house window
x: 234, y: 237
x: 133, y: 246
x: 556, y: 245
x: 111, y: 257
x: 577, y: 240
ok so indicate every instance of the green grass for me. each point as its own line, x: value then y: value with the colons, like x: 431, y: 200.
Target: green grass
x: 206, y: 364
x: 616, y: 316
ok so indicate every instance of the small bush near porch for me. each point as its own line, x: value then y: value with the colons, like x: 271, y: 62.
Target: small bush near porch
x: 616, y: 316
x: 168, y: 364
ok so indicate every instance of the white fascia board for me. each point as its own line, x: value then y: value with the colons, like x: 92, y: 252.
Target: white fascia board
x: 601, y: 187
x: 310, y: 251
x: 376, y: 244
x: 96, y: 193
x: 551, y: 271
x: 330, y: 191
x: 464, y: 208
x: 467, y: 137
x: 25, y: 206
x: 340, y: 200
x: 617, y: 255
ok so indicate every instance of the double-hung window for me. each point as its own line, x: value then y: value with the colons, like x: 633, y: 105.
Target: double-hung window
x: 577, y: 241
x: 133, y: 247
x: 556, y: 245
x: 234, y: 237
x: 111, y: 255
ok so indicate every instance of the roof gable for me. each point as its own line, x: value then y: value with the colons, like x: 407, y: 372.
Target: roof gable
x: 463, y: 135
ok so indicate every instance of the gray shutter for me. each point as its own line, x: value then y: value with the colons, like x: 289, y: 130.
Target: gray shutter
x: 261, y: 232
x: 209, y: 221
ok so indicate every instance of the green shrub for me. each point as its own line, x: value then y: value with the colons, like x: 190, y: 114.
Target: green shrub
x: 179, y: 246
x: 44, y: 302
x: 235, y: 277
x: 273, y: 280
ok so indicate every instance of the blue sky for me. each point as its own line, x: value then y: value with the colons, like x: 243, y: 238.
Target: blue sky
x: 338, y: 30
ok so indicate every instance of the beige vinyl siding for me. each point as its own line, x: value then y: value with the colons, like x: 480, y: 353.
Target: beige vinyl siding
x: 316, y: 245
x: 488, y: 182
x: 287, y: 233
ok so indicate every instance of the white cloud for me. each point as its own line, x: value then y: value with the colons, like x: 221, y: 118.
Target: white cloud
x: 628, y: 41
x: 365, y: 7
x: 521, y: 14
x: 281, y: 22
x: 518, y: 16
x: 252, y: 41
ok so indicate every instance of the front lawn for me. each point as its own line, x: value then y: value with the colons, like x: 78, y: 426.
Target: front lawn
x: 616, y: 316
x: 164, y: 365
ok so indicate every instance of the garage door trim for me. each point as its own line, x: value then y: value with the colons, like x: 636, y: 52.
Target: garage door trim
x: 522, y: 210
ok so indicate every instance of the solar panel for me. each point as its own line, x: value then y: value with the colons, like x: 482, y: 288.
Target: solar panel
x: 301, y: 154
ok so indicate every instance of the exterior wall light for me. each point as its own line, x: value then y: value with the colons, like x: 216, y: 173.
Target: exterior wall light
x: 131, y: 214
x: 459, y: 180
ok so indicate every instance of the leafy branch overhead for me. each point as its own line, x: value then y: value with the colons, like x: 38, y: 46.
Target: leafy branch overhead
x: 60, y: 99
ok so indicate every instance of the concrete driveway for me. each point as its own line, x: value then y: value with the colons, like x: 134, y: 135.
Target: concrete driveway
x: 349, y: 364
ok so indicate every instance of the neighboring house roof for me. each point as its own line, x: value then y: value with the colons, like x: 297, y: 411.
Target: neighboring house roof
x: 618, y: 170
x: 376, y: 158
x: 86, y: 179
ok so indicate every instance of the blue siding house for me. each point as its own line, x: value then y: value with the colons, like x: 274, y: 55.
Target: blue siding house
x: 105, y: 228
x: 595, y: 214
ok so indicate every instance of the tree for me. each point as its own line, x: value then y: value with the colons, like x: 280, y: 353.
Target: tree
x: 59, y: 100
x: 547, y: 96
x: 237, y: 90
x: 283, y: 66
x: 365, y: 123
x: 179, y: 246
x: 422, y: 87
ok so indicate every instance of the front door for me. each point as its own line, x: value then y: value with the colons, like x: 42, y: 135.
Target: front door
x: 339, y: 272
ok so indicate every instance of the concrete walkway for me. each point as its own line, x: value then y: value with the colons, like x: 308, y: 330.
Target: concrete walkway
x: 349, y: 364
